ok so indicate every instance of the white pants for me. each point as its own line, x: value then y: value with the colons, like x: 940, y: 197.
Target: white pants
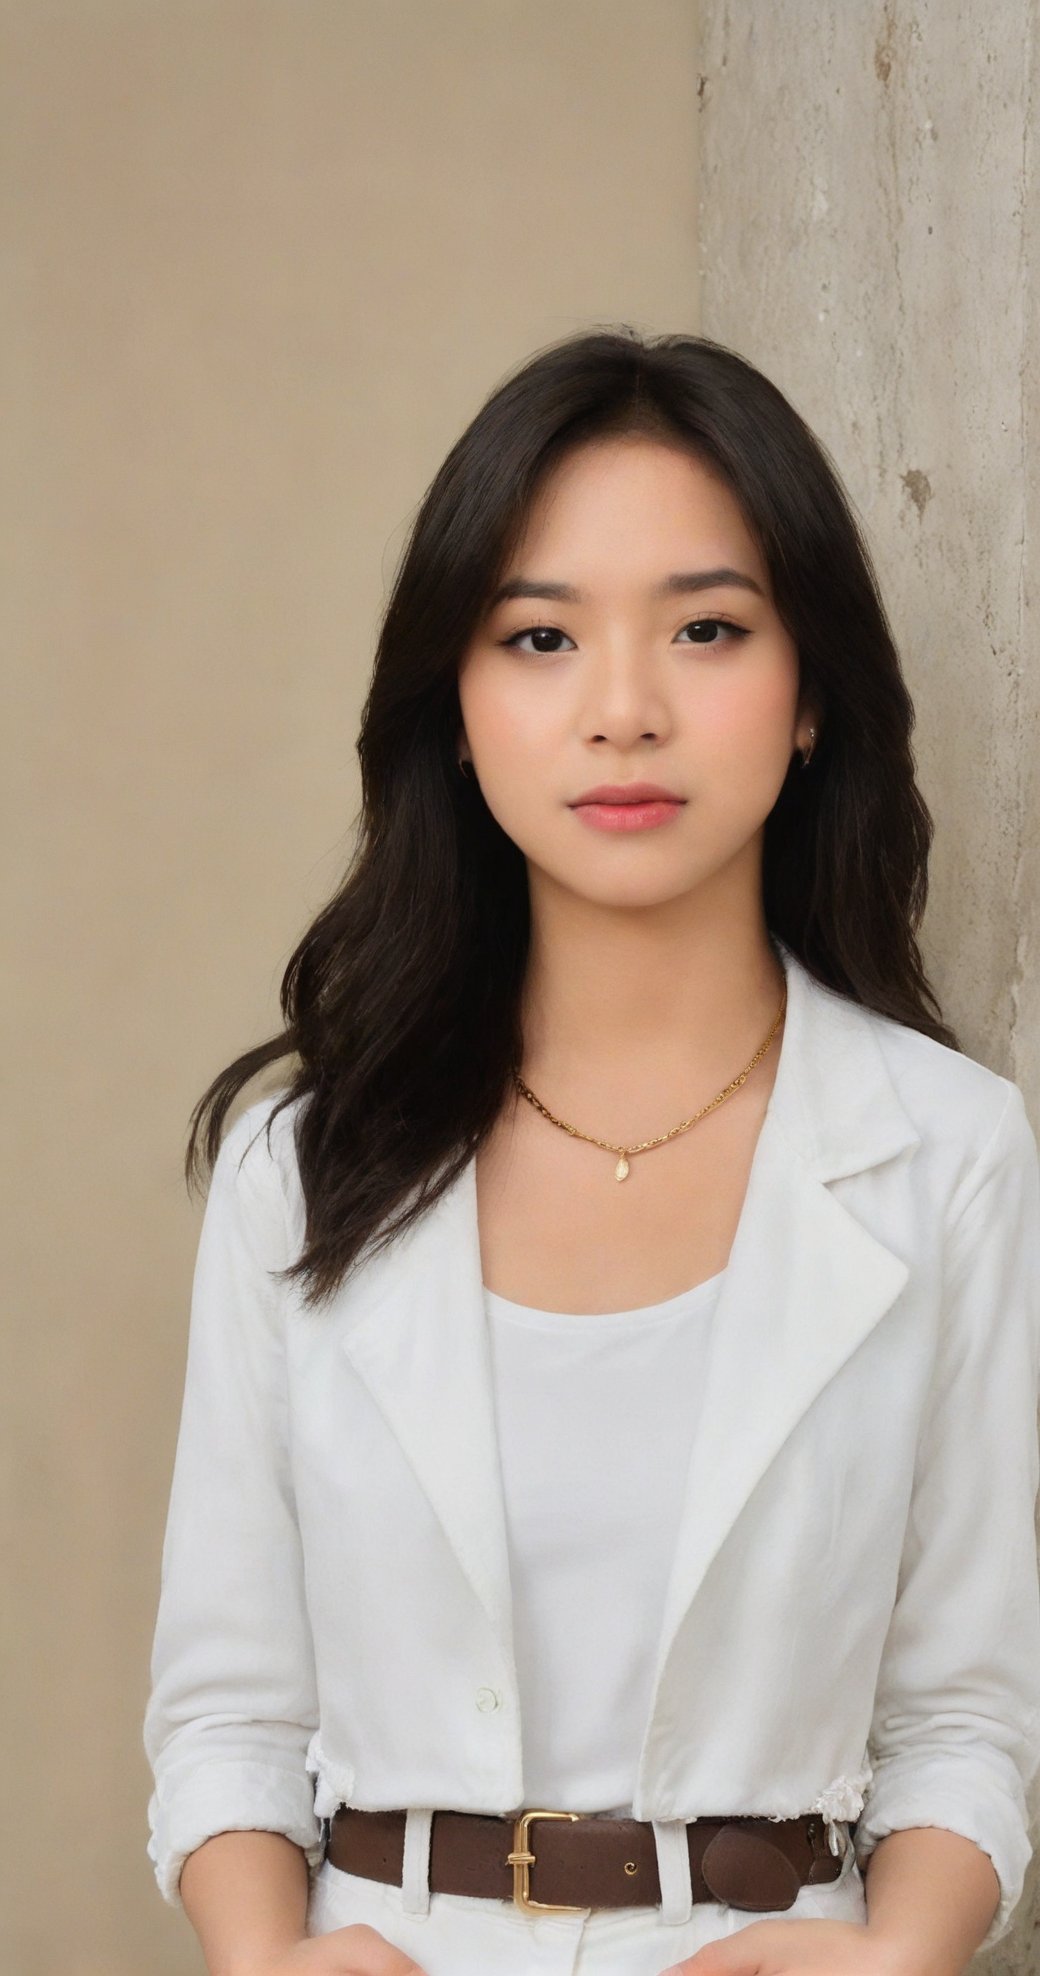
x: 466, y: 1935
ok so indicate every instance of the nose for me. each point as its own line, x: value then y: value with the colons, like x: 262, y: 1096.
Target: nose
x: 623, y: 699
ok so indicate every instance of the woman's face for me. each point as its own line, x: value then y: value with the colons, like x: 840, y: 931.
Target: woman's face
x: 645, y: 648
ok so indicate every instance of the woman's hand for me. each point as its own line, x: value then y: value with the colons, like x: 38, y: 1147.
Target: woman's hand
x: 799, y: 1948
x: 354, y: 1951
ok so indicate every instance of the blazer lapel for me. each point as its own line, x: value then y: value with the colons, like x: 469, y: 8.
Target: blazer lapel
x: 804, y: 1285
x: 422, y: 1348
x: 805, y: 1282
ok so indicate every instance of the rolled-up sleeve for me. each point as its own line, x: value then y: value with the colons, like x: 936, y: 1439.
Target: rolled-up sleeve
x: 233, y: 1704
x: 955, y: 1736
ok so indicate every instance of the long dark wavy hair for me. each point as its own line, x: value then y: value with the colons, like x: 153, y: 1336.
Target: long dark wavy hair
x: 401, y: 1002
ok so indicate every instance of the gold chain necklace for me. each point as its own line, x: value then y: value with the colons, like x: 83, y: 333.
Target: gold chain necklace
x: 621, y: 1169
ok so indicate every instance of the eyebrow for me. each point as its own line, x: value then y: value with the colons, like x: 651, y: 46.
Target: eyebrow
x: 680, y: 583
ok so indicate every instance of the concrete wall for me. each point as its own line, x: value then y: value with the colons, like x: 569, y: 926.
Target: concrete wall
x: 870, y: 210
x: 261, y: 263
x: 869, y: 220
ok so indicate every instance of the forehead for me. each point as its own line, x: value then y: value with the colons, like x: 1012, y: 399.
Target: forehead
x: 631, y: 509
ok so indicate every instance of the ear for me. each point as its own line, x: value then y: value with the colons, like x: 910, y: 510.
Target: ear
x: 808, y: 716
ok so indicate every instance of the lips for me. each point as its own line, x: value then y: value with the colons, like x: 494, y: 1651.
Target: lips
x: 627, y: 792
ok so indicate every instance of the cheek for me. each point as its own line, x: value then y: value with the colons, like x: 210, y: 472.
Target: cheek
x: 750, y: 719
x: 511, y: 734
x: 516, y: 727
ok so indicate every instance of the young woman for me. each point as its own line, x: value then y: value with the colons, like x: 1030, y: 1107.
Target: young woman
x: 602, y: 1529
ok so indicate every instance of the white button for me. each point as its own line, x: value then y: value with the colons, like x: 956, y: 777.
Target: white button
x: 488, y: 1698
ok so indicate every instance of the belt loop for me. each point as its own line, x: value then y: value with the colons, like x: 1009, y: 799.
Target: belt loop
x: 673, y: 1869
x: 415, y: 1873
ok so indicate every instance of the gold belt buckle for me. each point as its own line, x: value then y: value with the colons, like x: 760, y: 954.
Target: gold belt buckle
x: 521, y: 1859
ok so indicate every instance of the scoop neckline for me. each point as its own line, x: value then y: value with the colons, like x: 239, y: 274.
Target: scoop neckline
x: 642, y: 1314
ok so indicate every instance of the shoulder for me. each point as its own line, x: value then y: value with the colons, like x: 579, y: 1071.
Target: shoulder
x: 957, y: 1105
x: 257, y: 1167
x: 936, y: 1081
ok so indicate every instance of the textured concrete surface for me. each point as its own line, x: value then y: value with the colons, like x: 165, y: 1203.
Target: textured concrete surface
x: 868, y: 237
x: 869, y: 219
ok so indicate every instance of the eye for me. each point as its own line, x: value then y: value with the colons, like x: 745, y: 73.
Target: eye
x: 712, y: 625
x: 538, y: 631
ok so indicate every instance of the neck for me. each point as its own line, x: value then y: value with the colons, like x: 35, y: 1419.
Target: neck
x: 643, y: 1007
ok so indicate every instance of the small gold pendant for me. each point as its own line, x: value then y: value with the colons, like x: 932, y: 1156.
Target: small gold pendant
x: 621, y: 1169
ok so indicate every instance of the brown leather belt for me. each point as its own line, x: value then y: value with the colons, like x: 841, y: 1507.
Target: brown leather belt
x: 580, y: 1859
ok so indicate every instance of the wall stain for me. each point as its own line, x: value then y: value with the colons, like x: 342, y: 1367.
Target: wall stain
x: 918, y: 486
x: 884, y: 50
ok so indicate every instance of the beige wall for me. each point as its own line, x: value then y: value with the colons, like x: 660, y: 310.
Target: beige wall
x: 261, y: 262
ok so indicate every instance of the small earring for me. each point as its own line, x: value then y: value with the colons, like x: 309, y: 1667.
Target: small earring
x: 807, y: 752
x: 466, y: 765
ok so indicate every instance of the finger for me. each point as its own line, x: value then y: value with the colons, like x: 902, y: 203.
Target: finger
x: 728, y: 1957
x: 370, y: 1954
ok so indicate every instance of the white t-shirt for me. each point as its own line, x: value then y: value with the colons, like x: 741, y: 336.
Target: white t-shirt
x: 596, y: 1417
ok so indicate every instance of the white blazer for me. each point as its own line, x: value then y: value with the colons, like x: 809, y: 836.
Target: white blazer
x: 852, y: 1623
